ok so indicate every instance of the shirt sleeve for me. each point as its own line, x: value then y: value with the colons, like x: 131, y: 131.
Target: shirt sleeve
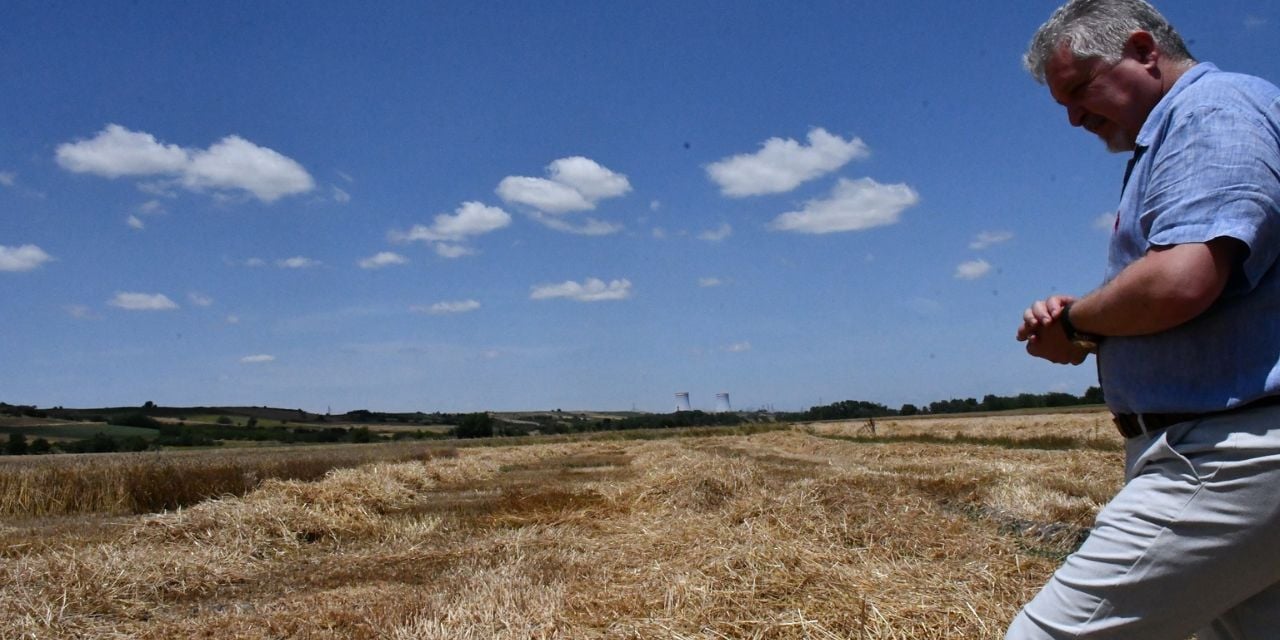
x: 1218, y: 175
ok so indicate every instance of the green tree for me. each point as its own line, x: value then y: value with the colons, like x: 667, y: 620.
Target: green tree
x: 40, y: 446
x: 17, y: 445
x: 474, y: 425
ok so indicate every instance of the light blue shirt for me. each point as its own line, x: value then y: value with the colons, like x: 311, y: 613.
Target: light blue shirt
x: 1207, y: 166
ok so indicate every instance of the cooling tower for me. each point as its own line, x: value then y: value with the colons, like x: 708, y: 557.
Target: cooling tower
x: 722, y: 402
x: 682, y: 401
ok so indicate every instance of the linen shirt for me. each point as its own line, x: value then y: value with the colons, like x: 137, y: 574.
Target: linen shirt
x: 1206, y: 166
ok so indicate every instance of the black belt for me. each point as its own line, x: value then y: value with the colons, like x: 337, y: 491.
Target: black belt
x: 1132, y: 425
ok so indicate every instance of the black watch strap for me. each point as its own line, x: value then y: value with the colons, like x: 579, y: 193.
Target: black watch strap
x: 1083, y: 339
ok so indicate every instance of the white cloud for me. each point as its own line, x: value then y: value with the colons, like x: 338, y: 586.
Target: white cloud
x: 654, y: 205
x: 1254, y: 22
x: 8, y: 178
x: 717, y: 234
x: 738, y: 347
x: 233, y: 163
x: 383, y: 259
x: 142, y: 302
x: 573, y: 184
x: 782, y: 165
x: 990, y: 238
x: 659, y: 233
x: 117, y: 151
x: 446, y: 250
x: 710, y: 282
x: 258, y: 358
x: 23, y: 258
x: 297, y: 262
x: 469, y: 219
x: 255, y: 262
x: 1105, y: 222
x: 441, y: 308
x: 341, y: 196
x: 588, y: 178
x: 854, y: 205
x: 236, y: 163
x: 588, y: 227
x: 233, y: 319
x: 199, y: 299
x: 151, y: 207
x: 542, y: 194
x: 135, y: 222
x: 973, y: 269
x: 591, y: 290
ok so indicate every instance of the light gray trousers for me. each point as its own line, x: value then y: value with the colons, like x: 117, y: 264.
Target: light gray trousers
x: 1191, y: 544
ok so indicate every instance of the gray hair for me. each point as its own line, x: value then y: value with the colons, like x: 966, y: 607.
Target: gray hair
x: 1100, y: 29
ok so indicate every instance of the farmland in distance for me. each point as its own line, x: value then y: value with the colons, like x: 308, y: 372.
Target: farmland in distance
x: 935, y: 527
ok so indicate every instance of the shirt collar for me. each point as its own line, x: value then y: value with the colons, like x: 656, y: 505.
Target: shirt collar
x: 1156, y: 117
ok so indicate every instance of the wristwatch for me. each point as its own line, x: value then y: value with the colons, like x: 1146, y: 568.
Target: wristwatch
x: 1087, y: 341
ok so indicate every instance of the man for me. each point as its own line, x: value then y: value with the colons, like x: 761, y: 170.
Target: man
x: 1186, y: 328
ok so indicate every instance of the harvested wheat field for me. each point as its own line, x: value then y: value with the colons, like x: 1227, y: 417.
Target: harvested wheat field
x: 809, y: 532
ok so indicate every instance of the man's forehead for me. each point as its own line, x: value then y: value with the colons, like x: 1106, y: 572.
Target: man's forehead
x: 1063, y: 69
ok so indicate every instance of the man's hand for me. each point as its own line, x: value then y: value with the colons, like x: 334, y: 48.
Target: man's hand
x: 1041, y: 314
x: 1044, y: 334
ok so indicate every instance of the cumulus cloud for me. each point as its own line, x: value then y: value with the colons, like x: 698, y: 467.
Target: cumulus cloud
x: 973, y: 269
x: 135, y: 222
x: 383, y: 259
x: 716, y: 235
x: 990, y: 238
x: 442, y: 308
x: 297, y: 262
x: 231, y: 164
x: 117, y: 151
x: 590, y: 290
x: 572, y: 184
x: 854, y: 205
x: 341, y: 196
x: 142, y: 302
x: 258, y: 359
x: 738, y: 347
x: 8, y: 178
x: 784, y: 164
x: 199, y: 299
x: 588, y: 178
x: 24, y: 258
x: 469, y: 219
x: 710, y: 282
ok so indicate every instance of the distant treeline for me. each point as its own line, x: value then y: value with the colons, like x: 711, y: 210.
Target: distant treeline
x: 855, y: 409
x: 298, y: 427
x: 483, y: 425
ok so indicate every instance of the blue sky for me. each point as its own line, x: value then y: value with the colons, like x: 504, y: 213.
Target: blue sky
x: 579, y: 205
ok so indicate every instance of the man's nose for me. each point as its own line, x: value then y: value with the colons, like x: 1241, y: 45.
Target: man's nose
x: 1076, y: 115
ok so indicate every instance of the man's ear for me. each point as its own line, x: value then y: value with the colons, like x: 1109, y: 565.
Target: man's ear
x: 1141, y: 46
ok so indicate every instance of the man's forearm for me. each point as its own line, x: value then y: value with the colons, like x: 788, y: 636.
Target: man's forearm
x: 1165, y: 288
